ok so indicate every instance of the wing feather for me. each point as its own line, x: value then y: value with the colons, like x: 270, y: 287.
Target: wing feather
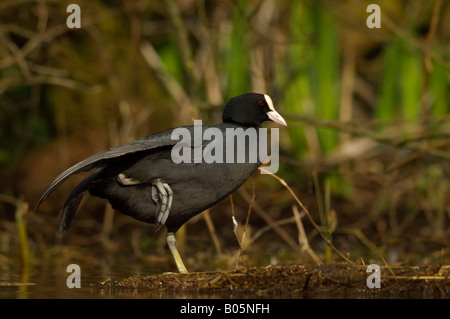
x: 99, y: 160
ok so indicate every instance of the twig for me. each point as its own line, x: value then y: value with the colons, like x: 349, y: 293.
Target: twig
x: 181, y: 98
x: 427, y: 51
x: 354, y: 128
x: 250, y: 205
x: 235, y: 227
x: 430, y: 36
x: 242, y: 240
x: 212, y: 232
x: 317, y: 227
x: 269, y: 221
x: 359, y: 234
x: 302, y: 238
x: 273, y: 225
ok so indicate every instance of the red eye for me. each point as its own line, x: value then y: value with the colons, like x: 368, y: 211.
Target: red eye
x: 261, y: 103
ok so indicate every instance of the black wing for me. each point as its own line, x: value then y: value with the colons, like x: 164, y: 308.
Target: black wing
x: 100, y: 159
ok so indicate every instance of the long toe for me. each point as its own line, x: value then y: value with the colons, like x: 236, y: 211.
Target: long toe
x: 162, y: 195
x: 169, y: 203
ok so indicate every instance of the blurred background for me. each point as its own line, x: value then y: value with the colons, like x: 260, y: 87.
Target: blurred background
x: 366, y: 149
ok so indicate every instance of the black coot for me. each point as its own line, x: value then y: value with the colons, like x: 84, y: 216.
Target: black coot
x: 152, y: 180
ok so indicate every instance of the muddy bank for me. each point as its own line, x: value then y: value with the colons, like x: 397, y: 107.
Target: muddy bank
x: 291, y: 281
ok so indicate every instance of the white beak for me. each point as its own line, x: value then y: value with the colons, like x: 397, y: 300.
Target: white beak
x: 276, y: 117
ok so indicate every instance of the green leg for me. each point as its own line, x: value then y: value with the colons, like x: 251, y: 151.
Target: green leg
x: 172, y: 243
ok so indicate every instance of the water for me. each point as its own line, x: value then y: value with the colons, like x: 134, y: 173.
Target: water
x: 51, y: 283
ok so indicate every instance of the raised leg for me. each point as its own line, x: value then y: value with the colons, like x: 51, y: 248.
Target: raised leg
x: 172, y: 243
x: 162, y: 195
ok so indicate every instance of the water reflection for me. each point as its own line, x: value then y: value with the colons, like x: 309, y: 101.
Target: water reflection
x: 51, y: 283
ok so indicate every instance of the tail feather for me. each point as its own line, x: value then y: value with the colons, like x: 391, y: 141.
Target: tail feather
x: 69, y: 210
x: 73, y: 201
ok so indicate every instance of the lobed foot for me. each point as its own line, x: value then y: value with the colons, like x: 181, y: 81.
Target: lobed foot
x: 162, y: 196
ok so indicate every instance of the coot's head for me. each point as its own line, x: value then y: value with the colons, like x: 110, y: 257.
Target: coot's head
x: 251, y: 109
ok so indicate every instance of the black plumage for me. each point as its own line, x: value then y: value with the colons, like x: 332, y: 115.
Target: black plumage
x: 142, y: 180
